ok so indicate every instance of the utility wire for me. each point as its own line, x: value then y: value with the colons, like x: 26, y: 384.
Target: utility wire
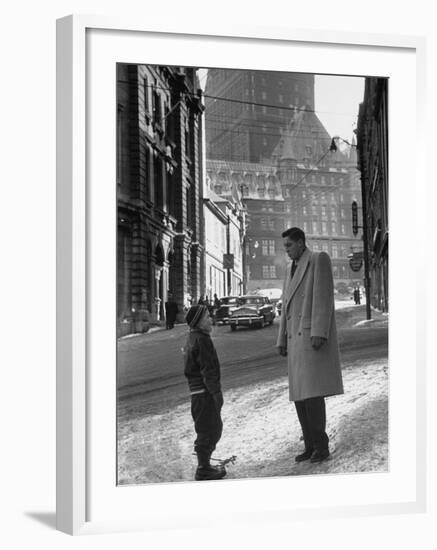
x: 242, y: 101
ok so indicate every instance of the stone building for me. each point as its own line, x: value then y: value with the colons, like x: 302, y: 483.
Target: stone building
x: 159, y: 236
x: 257, y: 188
x: 289, y: 175
x: 319, y: 185
x: 224, y: 233
x: 372, y: 134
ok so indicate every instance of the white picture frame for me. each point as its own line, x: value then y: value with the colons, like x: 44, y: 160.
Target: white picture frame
x: 80, y: 340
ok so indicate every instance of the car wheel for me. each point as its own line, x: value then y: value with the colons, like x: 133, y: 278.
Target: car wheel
x: 233, y: 328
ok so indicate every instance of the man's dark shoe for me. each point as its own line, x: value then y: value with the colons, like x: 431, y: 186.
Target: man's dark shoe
x: 205, y: 473
x: 306, y: 455
x: 319, y: 455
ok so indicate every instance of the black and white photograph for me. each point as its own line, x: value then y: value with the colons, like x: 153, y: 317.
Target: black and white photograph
x: 252, y: 274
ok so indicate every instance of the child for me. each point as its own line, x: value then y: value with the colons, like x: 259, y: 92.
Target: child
x: 202, y: 370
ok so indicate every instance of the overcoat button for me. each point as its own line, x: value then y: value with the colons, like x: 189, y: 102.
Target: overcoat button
x: 300, y: 333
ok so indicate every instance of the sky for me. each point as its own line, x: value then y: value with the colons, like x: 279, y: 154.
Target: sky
x: 337, y: 99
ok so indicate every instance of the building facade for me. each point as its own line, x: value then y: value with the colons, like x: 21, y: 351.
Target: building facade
x: 298, y: 180
x: 224, y: 225
x: 246, y: 110
x: 257, y: 188
x: 372, y: 134
x: 319, y: 183
x: 159, y: 206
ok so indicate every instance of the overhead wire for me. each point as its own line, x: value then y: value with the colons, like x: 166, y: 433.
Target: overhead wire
x: 293, y: 109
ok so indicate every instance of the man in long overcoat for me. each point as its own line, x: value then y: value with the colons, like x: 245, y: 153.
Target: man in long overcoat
x: 308, y: 336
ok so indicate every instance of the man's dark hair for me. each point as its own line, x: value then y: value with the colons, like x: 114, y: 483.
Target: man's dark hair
x: 295, y: 234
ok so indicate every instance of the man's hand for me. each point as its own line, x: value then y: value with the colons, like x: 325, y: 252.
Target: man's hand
x: 317, y: 342
x: 282, y: 350
x: 218, y: 400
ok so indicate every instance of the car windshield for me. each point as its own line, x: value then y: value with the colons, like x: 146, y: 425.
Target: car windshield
x: 251, y: 301
x: 228, y: 301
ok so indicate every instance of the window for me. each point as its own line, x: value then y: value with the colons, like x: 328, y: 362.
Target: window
x: 314, y: 209
x: 314, y: 227
x: 269, y: 272
x: 343, y: 229
x: 335, y: 271
x: 146, y: 94
x: 187, y: 142
x: 281, y: 98
x: 334, y: 228
x: 333, y: 212
x: 334, y: 251
x: 263, y: 95
x: 305, y: 227
x: 323, y: 209
x: 157, y: 113
x: 304, y: 210
x: 325, y: 247
x: 324, y: 228
x: 268, y: 247
x: 157, y: 181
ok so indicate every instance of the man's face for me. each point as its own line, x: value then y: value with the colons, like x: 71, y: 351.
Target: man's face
x: 293, y: 249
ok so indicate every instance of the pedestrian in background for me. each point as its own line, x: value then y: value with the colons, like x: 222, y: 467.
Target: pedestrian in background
x: 357, y: 296
x: 171, y: 311
x: 202, y: 370
x: 308, y: 335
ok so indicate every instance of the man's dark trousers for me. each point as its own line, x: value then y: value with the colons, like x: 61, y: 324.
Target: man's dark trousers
x: 312, y: 417
x: 207, y: 423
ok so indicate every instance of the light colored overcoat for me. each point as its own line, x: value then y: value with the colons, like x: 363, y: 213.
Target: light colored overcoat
x: 308, y: 310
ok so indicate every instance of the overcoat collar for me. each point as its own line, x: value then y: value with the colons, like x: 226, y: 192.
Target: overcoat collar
x: 301, y: 268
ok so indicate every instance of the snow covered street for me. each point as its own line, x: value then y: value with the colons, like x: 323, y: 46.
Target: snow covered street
x: 262, y: 430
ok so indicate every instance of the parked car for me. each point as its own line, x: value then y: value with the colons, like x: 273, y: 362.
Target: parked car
x: 227, y: 305
x: 252, y: 311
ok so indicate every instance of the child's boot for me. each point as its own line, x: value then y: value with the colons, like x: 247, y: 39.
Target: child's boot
x: 205, y: 471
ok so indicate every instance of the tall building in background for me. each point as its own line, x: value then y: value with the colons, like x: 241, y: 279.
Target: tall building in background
x: 159, y: 192
x: 267, y: 148
x: 373, y: 163
x: 246, y: 110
